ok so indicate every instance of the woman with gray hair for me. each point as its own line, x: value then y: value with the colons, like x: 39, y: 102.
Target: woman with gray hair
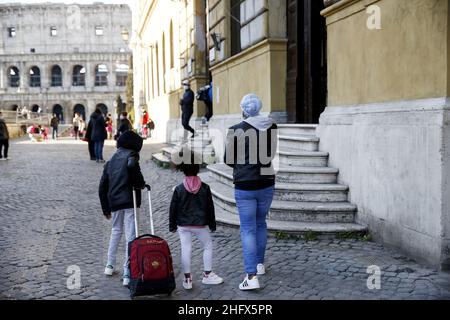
x: 250, y: 148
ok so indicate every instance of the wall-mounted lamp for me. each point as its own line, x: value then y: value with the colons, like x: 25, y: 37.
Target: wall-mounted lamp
x: 216, y: 39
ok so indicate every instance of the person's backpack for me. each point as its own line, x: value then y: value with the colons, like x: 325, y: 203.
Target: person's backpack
x: 150, y: 124
x: 151, y: 266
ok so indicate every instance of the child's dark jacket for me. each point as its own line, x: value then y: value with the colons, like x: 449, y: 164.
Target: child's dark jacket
x: 188, y: 209
x: 121, y: 174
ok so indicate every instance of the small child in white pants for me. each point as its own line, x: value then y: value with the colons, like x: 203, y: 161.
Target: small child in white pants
x: 191, y: 213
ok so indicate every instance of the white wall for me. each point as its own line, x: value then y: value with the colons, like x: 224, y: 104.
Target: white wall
x: 394, y: 159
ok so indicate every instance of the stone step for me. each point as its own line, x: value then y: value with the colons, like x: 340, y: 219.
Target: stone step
x: 341, y: 212
x: 303, y: 158
x: 292, y: 192
x: 298, y: 143
x: 318, y: 230
x: 167, y: 151
x: 295, y: 129
x: 301, y: 175
x: 161, y: 160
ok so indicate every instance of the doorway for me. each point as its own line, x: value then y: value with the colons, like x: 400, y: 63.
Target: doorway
x: 306, y: 84
x: 79, y: 108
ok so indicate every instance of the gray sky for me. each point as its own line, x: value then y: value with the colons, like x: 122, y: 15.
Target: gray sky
x: 67, y: 1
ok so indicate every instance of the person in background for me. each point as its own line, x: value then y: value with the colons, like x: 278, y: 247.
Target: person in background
x: 187, y: 107
x: 144, y: 124
x: 89, y: 141
x: 54, y: 123
x: 82, y: 128
x: 4, y: 139
x: 124, y: 125
x: 98, y: 134
x: 109, y: 126
x: 76, y: 125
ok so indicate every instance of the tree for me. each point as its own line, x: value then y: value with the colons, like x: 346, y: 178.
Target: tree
x: 129, y: 97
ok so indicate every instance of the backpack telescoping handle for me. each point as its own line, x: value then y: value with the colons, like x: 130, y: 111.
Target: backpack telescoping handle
x: 136, y: 218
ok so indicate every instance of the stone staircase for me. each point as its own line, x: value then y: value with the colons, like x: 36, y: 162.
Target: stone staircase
x: 201, y: 145
x: 308, y: 198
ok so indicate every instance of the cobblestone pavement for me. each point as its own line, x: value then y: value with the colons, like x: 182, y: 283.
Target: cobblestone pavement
x: 50, y: 219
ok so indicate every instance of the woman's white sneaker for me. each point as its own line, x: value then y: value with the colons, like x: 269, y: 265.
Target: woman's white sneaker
x: 249, y: 284
x: 187, y: 283
x: 211, y: 278
x: 109, y: 270
x: 260, y: 269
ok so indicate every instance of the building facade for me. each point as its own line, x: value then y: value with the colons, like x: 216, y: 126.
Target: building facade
x: 386, y: 125
x: 63, y: 58
x: 169, y: 46
x: 242, y: 46
x: 374, y: 75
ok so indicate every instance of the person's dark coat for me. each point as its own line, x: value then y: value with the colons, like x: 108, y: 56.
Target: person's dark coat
x: 121, y: 174
x: 187, y: 103
x: 98, y: 127
x: 4, y: 133
x: 188, y: 209
x: 124, y: 126
x: 54, y: 123
x: 247, y: 175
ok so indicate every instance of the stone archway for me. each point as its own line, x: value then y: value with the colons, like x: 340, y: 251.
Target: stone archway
x: 103, y: 108
x: 80, y: 109
x: 58, y: 111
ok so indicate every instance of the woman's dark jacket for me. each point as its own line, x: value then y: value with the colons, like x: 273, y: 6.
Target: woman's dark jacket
x: 4, y: 133
x: 121, y: 174
x: 251, y: 175
x: 188, y: 209
x: 98, y: 127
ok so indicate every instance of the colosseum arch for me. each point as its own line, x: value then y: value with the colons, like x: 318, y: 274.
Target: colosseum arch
x: 78, y: 76
x: 35, y: 77
x: 80, y: 109
x: 13, y: 77
x: 56, y: 76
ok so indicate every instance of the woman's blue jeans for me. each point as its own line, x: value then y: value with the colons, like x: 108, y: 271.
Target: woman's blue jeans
x: 253, y: 207
x: 98, y: 149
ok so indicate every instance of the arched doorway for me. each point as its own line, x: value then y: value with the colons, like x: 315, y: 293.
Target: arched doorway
x: 103, y: 108
x: 58, y: 111
x: 80, y: 109
x: 35, y: 108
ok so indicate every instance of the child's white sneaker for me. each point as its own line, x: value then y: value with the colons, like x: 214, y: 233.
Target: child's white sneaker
x: 249, y: 284
x: 109, y: 270
x: 187, y: 283
x: 260, y: 269
x: 126, y: 281
x: 211, y: 278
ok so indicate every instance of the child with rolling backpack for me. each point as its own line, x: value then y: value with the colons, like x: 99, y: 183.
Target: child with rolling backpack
x: 121, y: 175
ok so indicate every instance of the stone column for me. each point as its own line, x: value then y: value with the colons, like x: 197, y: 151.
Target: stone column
x: 2, y: 76
x: 90, y: 74
x: 67, y: 69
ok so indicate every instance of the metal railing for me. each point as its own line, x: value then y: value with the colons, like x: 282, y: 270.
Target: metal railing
x: 27, y: 117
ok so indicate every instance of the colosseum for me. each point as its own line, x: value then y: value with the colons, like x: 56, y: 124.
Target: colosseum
x: 63, y: 58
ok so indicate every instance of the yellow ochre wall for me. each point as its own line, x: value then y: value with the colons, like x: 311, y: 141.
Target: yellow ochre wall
x: 260, y: 69
x: 364, y: 66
